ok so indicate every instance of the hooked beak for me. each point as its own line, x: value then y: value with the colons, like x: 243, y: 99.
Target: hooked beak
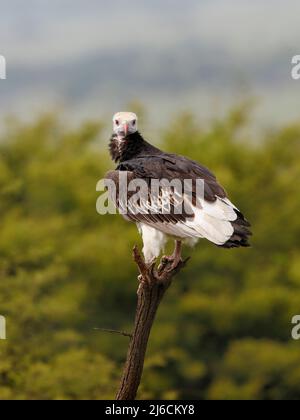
x: 125, y: 126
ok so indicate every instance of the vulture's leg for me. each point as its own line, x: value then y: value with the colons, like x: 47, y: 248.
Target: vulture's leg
x: 177, y: 253
x: 173, y: 261
x: 175, y: 258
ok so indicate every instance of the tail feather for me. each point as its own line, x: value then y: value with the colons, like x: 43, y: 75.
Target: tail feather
x: 240, y: 236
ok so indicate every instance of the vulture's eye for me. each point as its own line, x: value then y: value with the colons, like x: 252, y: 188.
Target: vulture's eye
x: 134, y: 122
x: 117, y: 122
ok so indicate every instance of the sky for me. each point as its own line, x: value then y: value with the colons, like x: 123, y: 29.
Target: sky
x: 92, y: 58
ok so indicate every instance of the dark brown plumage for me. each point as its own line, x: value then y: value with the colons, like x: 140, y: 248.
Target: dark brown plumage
x: 142, y: 160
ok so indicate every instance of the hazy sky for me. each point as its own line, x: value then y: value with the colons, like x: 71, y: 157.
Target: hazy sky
x: 93, y: 57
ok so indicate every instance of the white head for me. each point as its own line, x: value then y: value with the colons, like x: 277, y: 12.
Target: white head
x: 125, y: 123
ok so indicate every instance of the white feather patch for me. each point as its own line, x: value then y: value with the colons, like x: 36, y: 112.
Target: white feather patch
x: 212, y: 221
x: 154, y: 241
x: 219, y: 209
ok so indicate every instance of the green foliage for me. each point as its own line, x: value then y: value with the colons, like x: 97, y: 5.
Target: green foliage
x: 223, y: 330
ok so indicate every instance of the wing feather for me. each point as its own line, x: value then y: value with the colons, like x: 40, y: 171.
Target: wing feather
x: 212, y: 217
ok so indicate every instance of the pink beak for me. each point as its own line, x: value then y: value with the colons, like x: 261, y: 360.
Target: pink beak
x: 125, y: 128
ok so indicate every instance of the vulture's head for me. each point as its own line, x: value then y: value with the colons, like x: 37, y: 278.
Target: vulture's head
x: 124, y: 124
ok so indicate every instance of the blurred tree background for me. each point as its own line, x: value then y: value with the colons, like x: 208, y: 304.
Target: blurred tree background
x: 224, y: 328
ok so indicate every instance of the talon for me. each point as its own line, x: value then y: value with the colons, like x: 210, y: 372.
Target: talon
x: 163, y: 262
x: 174, y: 259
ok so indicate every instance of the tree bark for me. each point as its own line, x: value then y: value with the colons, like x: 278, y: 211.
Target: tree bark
x: 153, y: 283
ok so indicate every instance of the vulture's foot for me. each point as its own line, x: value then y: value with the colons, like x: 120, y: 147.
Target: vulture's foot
x: 174, y: 260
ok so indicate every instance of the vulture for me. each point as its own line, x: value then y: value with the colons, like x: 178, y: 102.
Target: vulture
x: 191, y: 215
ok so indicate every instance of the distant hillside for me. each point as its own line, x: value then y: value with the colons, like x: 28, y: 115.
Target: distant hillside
x: 97, y: 58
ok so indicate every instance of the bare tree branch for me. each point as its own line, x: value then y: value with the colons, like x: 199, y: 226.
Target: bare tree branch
x: 125, y: 334
x: 153, y: 283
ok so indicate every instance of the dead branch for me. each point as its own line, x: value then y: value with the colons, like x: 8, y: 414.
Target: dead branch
x: 125, y: 334
x: 153, y: 283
